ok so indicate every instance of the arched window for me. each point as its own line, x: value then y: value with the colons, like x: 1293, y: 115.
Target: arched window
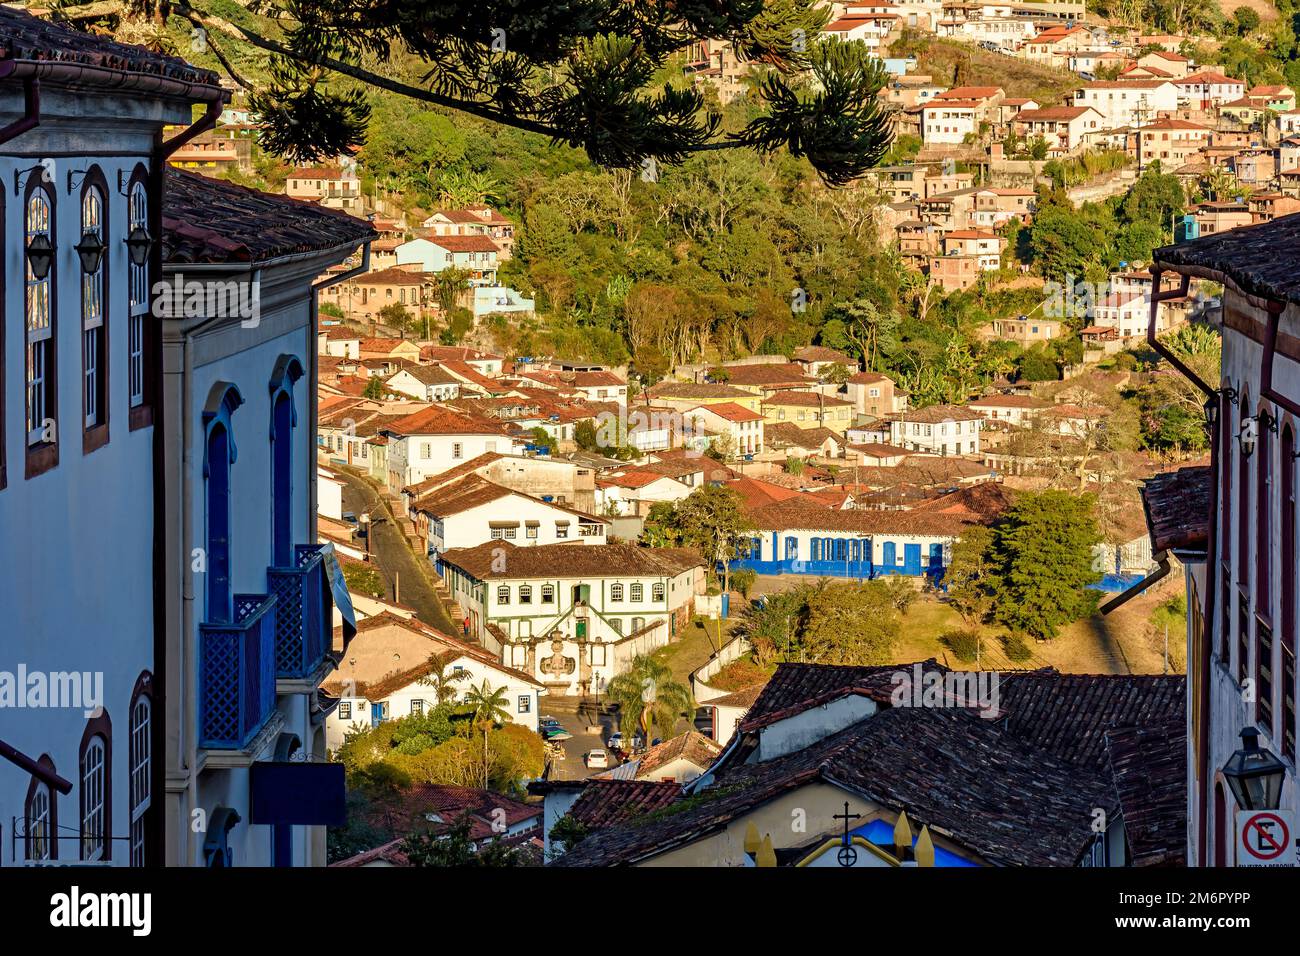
x: 525, y: 594
x: 219, y: 455
x: 41, y: 322
x: 94, y: 330
x: 41, y: 817
x: 638, y: 592
x: 96, y: 777
x: 548, y: 593
x: 138, y: 297
x: 141, y: 765
x: 284, y: 417
x: 657, y: 591
x: 616, y: 592
x: 503, y: 594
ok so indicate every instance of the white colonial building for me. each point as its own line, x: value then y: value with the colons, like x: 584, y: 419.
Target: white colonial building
x: 573, y: 618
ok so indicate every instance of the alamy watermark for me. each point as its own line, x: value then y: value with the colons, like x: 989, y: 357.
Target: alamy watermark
x: 61, y: 690
x: 974, y: 690
x: 209, y: 299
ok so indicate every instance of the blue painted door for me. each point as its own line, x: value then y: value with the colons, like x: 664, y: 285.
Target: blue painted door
x: 911, y: 559
x: 936, y: 557
x: 889, y: 559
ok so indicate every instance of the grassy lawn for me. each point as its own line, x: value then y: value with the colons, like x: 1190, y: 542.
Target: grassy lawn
x: 693, y: 648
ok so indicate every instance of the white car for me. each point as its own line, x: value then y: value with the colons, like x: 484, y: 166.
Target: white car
x: 597, y: 759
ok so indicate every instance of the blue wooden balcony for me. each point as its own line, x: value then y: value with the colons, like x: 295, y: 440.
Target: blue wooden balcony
x: 237, y: 674
x: 303, y: 617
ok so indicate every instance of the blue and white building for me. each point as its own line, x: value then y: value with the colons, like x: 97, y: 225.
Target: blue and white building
x: 171, y: 615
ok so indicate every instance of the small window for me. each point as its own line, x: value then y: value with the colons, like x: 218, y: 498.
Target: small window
x: 548, y: 594
x: 137, y: 218
x: 525, y: 703
x: 531, y: 531
x: 638, y: 592
x: 503, y: 594
x: 561, y: 530
x: 417, y: 707
x: 657, y: 592
x: 345, y: 710
x: 525, y: 594
x: 457, y: 450
x: 616, y: 592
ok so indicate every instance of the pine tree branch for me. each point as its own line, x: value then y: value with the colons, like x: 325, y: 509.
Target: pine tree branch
x: 209, y: 22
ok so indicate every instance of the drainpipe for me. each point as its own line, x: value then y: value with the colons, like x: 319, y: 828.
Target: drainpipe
x: 1211, y: 549
x: 31, y: 104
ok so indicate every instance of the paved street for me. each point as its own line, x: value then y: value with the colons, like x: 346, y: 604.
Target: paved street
x: 392, y: 557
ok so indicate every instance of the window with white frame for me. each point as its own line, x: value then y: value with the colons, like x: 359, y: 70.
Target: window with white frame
x: 503, y: 594
x: 548, y: 594
x: 141, y: 768
x: 417, y: 707
x: 40, y: 323
x: 345, y: 710
x: 525, y: 703
x: 138, y: 218
x: 92, y: 312
x: 93, y: 769
x: 525, y: 594
x: 657, y: 592
x: 616, y: 592
x: 40, y: 830
x: 638, y: 592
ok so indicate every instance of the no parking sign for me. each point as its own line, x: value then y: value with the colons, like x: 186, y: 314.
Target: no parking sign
x: 1266, y: 838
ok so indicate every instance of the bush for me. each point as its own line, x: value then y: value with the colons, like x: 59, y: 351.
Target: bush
x: 964, y: 644
x: 742, y: 579
x: 902, y: 592
x: 1014, y: 646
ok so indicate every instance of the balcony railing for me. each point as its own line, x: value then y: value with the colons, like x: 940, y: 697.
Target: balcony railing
x: 303, y: 622
x: 237, y: 674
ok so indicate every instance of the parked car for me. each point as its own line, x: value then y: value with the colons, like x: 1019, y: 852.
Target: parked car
x: 597, y: 760
x: 616, y: 741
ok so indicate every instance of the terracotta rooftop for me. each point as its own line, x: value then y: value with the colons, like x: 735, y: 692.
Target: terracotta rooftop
x: 1259, y: 259
x: 26, y: 37
x: 606, y: 803
x: 691, y: 746
x: 213, y: 221
x: 1149, y: 767
x: 1178, y: 505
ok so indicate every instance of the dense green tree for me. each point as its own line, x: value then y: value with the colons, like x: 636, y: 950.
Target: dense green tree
x: 1041, y: 552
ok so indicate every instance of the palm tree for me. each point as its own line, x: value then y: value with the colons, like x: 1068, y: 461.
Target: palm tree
x: 441, y: 680
x: 647, y: 694
x: 489, y: 707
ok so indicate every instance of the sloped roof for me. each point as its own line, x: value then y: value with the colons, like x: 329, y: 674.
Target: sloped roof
x: 26, y: 37
x: 1027, y: 807
x: 691, y: 745
x: 606, y: 803
x: 1251, y: 256
x: 1178, y: 505
x: 213, y: 221
x: 1149, y: 767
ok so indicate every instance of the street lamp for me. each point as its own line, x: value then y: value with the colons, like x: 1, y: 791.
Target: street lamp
x: 1254, y: 775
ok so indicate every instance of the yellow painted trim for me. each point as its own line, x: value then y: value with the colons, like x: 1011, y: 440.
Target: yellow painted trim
x: 856, y: 841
